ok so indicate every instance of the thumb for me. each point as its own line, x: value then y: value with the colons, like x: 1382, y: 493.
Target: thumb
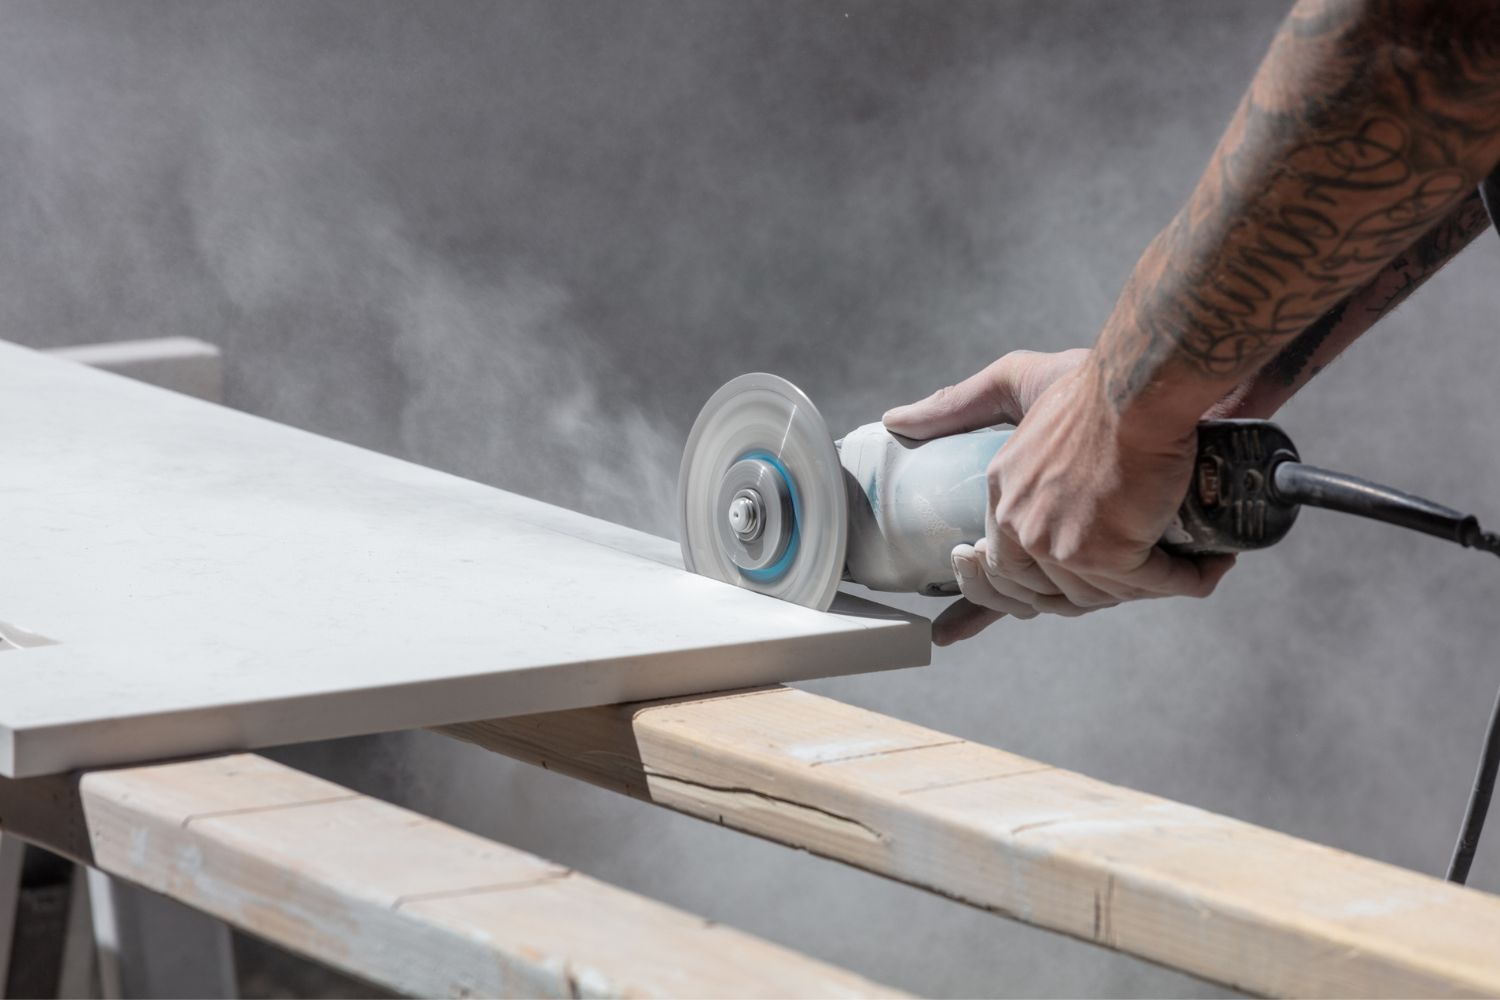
x: 998, y: 394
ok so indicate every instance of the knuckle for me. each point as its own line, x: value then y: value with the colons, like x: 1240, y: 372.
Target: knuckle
x: 1071, y: 552
x: 1036, y: 541
x: 1004, y: 375
x: 1010, y: 365
x: 946, y: 397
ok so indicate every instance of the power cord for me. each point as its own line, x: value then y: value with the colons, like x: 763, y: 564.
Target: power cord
x: 1299, y: 483
x: 1479, y: 802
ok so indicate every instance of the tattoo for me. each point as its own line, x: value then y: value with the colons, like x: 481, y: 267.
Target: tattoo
x: 1348, y: 149
x: 1450, y: 236
x: 1391, y: 286
x: 1286, y: 366
x: 1396, y: 296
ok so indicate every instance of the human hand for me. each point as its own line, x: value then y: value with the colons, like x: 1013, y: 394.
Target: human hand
x: 1077, y: 499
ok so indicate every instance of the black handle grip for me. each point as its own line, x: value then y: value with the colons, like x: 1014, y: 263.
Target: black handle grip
x: 1231, y: 505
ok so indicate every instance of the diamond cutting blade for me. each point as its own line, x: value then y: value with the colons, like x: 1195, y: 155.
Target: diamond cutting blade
x: 761, y: 499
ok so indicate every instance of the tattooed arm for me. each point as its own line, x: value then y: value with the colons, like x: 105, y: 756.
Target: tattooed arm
x: 1263, y: 393
x: 1366, y: 125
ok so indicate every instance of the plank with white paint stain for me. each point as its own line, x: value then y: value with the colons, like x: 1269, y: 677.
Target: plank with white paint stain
x: 197, y: 580
x: 1222, y: 899
x: 410, y: 903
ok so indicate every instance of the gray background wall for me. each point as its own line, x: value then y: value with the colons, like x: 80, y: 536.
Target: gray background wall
x: 523, y: 241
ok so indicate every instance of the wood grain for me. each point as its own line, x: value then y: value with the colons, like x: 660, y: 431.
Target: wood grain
x: 410, y: 903
x: 1222, y: 899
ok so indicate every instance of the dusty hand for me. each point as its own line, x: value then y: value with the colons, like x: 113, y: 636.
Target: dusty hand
x: 1077, y: 502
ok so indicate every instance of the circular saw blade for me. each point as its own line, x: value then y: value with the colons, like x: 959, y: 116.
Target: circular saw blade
x: 764, y: 418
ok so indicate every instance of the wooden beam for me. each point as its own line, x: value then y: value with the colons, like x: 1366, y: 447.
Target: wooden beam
x: 1257, y: 910
x: 46, y: 812
x: 409, y: 903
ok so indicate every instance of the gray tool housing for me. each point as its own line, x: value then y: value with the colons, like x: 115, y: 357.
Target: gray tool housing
x: 911, y: 502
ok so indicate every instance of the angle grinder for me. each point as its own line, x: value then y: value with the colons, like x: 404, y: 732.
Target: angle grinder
x: 769, y: 501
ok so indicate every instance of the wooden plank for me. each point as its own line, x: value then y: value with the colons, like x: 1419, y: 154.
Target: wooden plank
x: 210, y: 581
x: 45, y: 811
x: 409, y: 903
x: 1257, y: 910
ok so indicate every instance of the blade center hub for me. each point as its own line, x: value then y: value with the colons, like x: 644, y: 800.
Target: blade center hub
x: 756, y: 519
x: 745, y: 515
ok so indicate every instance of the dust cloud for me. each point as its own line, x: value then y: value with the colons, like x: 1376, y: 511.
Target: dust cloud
x: 523, y: 241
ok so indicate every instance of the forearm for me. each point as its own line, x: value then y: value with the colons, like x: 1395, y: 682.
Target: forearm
x: 1303, y: 357
x: 1366, y: 124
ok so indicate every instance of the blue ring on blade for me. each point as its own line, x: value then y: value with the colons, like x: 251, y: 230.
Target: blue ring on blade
x: 779, y: 567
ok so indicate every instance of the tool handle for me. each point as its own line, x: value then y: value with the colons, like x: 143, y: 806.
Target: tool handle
x: 1231, y: 504
x: 911, y: 502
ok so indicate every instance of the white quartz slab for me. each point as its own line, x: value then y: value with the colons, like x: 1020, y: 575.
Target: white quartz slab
x: 213, y: 581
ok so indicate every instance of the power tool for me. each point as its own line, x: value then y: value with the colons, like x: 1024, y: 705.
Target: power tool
x: 769, y: 501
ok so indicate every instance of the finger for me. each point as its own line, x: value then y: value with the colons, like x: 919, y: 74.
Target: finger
x: 1048, y: 603
x: 1002, y: 584
x: 1052, y: 604
x: 1001, y: 393
x: 1004, y: 557
x: 1083, y: 593
x: 978, y: 588
x: 1166, y: 575
x: 981, y: 400
x: 1056, y: 604
x: 1213, y: 570
x: 1060, y: 592
x: 962, y: 620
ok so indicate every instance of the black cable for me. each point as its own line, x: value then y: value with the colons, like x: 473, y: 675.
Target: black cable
x: 1479, y: 802
x: 1295, y: 482
x: 1298, y: 483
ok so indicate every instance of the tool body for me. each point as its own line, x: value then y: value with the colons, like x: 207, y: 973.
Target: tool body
x: 769, y: 501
